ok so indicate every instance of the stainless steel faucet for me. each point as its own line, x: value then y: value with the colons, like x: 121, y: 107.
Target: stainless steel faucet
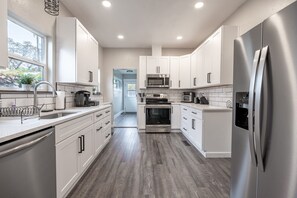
x: 35, y: 90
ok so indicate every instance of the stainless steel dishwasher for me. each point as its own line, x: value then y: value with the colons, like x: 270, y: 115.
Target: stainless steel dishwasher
x: 27, y: 166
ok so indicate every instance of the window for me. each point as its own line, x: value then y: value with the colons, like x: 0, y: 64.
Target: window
x: 26, y: 55
x: 131, y: 90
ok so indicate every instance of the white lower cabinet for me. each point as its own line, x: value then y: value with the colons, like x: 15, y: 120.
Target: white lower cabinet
x: 141, y: 117
x: 78, y: 142
x: 175, y: 116
x: 208, y: 131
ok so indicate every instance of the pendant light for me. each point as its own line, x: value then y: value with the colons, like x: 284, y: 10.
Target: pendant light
x: 51, y: 7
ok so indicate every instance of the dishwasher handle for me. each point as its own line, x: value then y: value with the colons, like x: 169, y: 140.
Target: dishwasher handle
x: 24, y: 146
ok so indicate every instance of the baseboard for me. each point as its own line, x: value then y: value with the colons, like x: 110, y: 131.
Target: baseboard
x: 217, y: 154
x: 118, y: 114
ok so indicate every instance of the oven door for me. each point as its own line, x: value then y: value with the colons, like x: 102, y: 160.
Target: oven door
x: 158, y: 118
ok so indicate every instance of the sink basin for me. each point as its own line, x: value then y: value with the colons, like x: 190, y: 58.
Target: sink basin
x: 56, y: 115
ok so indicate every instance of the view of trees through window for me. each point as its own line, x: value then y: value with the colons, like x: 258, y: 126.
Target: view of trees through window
x: 26, y: 56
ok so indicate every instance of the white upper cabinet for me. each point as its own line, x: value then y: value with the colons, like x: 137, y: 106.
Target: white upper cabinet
x: 185, y: 72
x: 174, y: 72
x: 3, y: 33
x: 157, y: 65
x: 77, y: 53
x: 194, y: 69
x: 142, y: 73
x: 217, y: 66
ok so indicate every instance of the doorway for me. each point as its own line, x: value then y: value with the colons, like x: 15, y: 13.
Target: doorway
x: 124, y: 98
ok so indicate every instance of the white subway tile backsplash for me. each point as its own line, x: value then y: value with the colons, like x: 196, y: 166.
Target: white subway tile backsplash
x: 14, y: 95
x: 7, y: 102
x: 24, y: 101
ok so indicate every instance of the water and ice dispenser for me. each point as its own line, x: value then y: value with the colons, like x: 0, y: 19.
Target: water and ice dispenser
x: 241, y: 112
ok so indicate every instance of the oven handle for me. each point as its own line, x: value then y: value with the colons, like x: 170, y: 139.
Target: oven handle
x: 157, y: 107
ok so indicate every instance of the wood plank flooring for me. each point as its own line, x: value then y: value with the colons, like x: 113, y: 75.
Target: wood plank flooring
x: 126, y: 120
x: 137, y: 165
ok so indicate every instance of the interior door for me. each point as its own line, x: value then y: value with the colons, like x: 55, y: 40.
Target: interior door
x: 130, y: 100
x: 278, y: 137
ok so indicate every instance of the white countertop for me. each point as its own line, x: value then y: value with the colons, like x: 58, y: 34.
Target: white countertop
x: 11, y: 128
x: 203, y: 107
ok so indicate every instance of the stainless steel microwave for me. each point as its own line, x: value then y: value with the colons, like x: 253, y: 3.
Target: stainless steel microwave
x: 157, y: 80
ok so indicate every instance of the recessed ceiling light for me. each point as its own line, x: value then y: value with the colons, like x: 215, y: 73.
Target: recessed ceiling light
x: 106, y: 3
x: 179, y: 38
x: 120, y: 36
x: 199, y: 5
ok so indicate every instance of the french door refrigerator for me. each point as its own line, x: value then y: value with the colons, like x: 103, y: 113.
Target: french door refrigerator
x: 264, y: 136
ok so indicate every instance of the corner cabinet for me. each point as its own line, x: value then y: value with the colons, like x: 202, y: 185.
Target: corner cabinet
x: 77, y: 53
x: 4, y: 35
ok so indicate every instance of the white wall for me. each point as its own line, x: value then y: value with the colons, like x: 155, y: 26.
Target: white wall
x: 253, y: 12
x: 126, y: 58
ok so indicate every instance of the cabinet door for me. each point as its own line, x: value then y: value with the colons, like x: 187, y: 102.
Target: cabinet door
x: 82, y: 50
x: 174, y: 72
x: 87, y: 154
x: 200, y: 65
x: 3, y: 33
x: 216, y: 58
x: 98, y: 137
x: 142, y: 73
x: 206, y: 73
x: 67, y: 164
x: 152, y: 65
x: 175, y: 116
x: 93, y: 62
x: 194, y: 69
x: 185, y: 75
x: 163, y: 64
x: 141, y: 117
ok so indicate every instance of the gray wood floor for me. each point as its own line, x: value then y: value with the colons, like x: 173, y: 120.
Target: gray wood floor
x: 153, y: 165
x: 126, y: 120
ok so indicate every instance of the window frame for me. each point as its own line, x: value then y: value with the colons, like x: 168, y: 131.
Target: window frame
x: 44, y: 65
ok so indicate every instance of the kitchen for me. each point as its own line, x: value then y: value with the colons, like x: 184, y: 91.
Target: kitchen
x: 193, y: 159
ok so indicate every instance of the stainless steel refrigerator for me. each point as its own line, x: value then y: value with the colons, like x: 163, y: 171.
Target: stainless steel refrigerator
x: 264, y: 136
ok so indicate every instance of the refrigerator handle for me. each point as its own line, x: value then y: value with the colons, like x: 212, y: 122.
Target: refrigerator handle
x: 258, y: 109
x: 251, y: 107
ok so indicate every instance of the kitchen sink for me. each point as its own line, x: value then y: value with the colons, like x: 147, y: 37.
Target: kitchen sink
x: 56, y: 115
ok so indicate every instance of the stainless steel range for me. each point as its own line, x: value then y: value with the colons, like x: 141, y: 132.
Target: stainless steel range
x: 158, y: 113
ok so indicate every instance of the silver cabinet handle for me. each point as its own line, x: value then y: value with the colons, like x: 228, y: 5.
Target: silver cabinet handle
x: 208, y: 77
x: 99, y: 129
x: 107, y: 123
x: 107, y: 135
x: 80, y: 144
x: 195, y: 79
x: 185, y: 129
x: 185, y: 118
x: 23, y: 146
x: 83, y: 142
x: 90, y: 76
x: 179, y: 83
x: 251, y: 107
x: 193, y: 124
x: 194, y: 113
x: 107, y: 111
x: 258, y: 110
x: 99, y: 115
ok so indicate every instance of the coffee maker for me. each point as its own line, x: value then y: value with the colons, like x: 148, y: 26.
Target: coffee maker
x: 82, y: 98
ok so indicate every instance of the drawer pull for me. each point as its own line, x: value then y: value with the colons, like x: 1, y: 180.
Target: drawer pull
x: 99, y: 129
x: 185, y: 129
x: 194, y: 113
x: 107, y: 123
x: 185, y: 118
x: 107, y: 135
x: 99, y: 115
x: 80, y: 144
x: 107, y: 111
x: 185, y: 109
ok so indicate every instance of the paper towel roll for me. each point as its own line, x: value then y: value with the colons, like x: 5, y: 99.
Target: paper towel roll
x: 60, y: 100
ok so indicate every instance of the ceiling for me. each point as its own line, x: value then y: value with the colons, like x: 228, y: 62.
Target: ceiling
x: 151, y: 22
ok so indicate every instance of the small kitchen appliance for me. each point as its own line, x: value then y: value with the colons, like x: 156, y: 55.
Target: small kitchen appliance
x: 82, y: 98
x: 188, y: 97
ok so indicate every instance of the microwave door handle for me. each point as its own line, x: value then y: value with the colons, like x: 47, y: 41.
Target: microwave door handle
x: 251, y: 107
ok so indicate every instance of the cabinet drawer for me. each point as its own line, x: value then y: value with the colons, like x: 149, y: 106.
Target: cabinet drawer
x: 71, y: 127
x: 196, y: 113
x: 107, y: 135
x: 184, y: 110
x: 99, y: 115
x: 106, y: 122
x: 107, y: 112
